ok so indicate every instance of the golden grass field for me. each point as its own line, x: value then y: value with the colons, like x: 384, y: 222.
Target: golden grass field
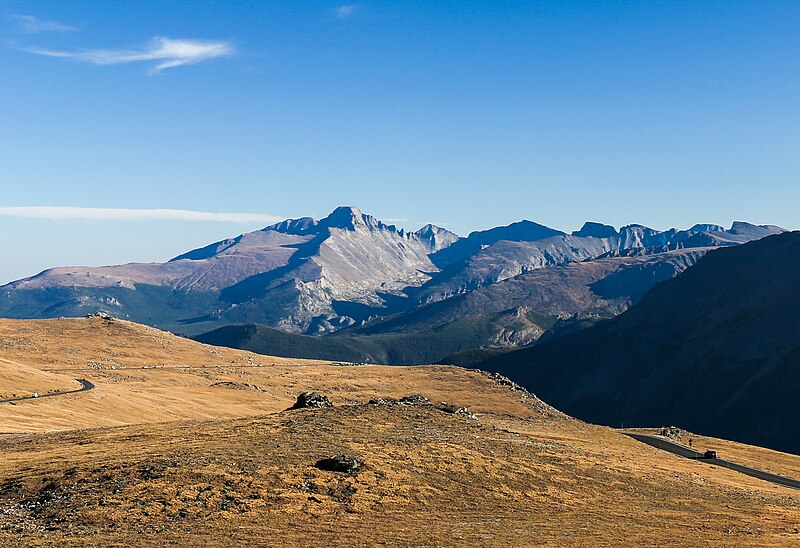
x: 160, y: 453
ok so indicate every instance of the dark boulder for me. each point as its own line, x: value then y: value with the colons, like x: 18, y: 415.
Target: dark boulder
x: 456, y: 410
x: 348, y: 464
x: 311, y: 399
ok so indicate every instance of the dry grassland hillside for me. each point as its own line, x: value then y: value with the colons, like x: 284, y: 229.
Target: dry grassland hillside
x: 142, y: 374
x: 187, y: 445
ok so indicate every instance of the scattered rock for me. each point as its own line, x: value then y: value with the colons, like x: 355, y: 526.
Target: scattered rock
x: 456, y: 410
x: 101, y: 315
x: 413, y: 399
x: 348, y: 464
x: 505, y: 381
x: 527, y: 397
x: 238, y: 386
x: 311, y: 399
x: 672, y: 432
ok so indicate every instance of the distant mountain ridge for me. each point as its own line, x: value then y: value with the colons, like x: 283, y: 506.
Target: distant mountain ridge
x: 715, y: 350
x: 498, y: 254
x: 350, y: 272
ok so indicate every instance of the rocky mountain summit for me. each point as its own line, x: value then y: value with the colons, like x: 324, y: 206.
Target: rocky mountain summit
x: 350, y: 272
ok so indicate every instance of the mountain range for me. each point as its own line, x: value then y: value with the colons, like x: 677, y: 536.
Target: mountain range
x: 714, y: 350
x: 352, y: 276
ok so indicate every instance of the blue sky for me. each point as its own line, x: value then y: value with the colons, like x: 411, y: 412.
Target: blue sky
x: 467, y: 114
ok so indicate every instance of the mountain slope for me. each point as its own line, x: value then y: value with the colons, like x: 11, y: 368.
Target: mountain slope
x: 509, y: 327
x: 499, y: 259
x: 512, y: 313
x: 604, y: 286
x: 318, y: 277
x: 715, y: 350
x: 291, y: 275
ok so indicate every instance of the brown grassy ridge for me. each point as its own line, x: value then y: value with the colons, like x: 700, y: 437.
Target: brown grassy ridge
x: 197, y: 463
x: 146, y: 375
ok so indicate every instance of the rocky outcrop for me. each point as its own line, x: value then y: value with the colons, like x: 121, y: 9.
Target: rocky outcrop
x: 312, y: 400
x: 456, y: 410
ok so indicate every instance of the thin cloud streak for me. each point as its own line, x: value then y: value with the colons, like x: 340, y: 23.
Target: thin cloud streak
x: 345, y: 11
x: 60, y: 213
x: 33, y: 25
x: 167, y: 51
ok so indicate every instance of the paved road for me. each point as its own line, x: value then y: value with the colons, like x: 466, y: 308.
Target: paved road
x: 85, y: 386
x: 683, y: 451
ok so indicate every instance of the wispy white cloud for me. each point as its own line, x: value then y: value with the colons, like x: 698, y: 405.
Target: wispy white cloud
x: 33, y: 25
x: 60, y: 213
x: 167, y: 52
x: 346, y: 10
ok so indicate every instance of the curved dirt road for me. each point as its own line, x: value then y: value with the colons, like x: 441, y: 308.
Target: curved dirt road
x: 85, y: 386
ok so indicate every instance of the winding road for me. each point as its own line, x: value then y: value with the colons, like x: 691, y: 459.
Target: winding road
x: 85, y: 386
x: 683, y: 451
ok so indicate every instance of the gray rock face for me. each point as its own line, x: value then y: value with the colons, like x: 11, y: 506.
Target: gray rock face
x: 436, y: 238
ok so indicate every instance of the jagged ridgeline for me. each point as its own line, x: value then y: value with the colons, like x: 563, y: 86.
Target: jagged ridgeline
x: 379, y: 293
